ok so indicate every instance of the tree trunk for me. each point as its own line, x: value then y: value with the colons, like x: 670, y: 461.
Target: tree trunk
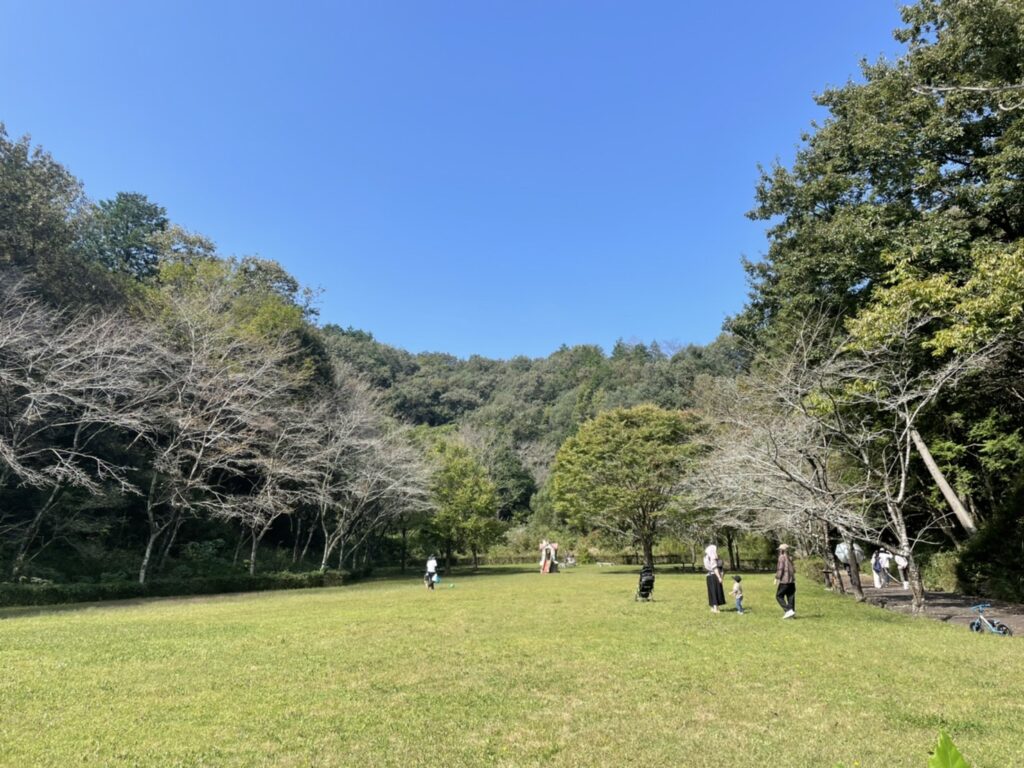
x: 238, y: 547
x: 252, y: 553
x: 150, y: 543
x: 831, y: 558
x: 913, y: 573
x: 309, y: 540
x: 965, y: 517
x: 33, y: 530
x: 165, y: 550
x: 447, y: 559
x: 405, y: 547
x: 298, y: 538
x: 855, y: 585
x: 328, y: 549
x: 476, y: 560
x: 648, y: 547
x: 916, y: 585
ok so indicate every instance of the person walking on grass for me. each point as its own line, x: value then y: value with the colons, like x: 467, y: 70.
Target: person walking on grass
x: 714, y: 566
x: 737, y: 593
x: 785, y: 583
x: 430, y: 576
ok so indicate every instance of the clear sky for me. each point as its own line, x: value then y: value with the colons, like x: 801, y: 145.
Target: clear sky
x: 469, y: 176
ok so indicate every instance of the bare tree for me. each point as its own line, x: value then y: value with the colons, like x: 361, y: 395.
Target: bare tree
x: 775, y: 468
x: 275, y: 473
x: 214, y: 421
x: 870, y: 402
x: 66, y: 381
x: 367, y: 475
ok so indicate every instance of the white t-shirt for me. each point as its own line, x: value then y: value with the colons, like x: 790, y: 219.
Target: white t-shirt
x: 431, y: 565
x: 884, y: 559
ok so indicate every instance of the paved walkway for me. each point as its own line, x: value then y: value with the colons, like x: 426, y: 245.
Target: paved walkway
x: 944, y: 606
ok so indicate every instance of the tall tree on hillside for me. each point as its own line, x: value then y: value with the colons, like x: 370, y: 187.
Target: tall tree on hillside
x: 120, y: 234
x: 621, y: 473
x: 912, y: 168
x: 39, y: 200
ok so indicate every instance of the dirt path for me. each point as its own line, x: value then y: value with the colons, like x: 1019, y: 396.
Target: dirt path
x: 945, y: 606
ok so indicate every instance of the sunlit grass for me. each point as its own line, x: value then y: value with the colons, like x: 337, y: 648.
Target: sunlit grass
x: 505, y: 668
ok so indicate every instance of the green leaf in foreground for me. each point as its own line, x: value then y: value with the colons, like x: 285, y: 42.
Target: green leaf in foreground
x: 946, y: 755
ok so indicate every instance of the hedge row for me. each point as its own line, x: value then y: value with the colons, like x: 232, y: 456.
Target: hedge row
x: 54, y: 594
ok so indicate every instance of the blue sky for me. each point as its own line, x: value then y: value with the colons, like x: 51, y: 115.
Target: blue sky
x: 470, y: 177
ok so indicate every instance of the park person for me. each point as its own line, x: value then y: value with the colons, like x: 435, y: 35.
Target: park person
x: 430, y: 576
x: 714, y: 567
x: 876, y: 569
x: 737, y: 593
x: 884, y: 558
x: 844, y: 556
x: 901, y: 566
x: 785, y: 583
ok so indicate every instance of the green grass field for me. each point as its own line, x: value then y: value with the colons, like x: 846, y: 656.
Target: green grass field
x: 505, y: 668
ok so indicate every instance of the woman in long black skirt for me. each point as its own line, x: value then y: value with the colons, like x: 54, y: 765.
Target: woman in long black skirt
x: 713, y: 565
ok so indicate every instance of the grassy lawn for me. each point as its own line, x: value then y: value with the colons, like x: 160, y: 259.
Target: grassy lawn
x: 504, y: 668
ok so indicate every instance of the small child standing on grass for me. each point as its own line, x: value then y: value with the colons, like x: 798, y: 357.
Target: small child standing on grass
x: 737, y: 592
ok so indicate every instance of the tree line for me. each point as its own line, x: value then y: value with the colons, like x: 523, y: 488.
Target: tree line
x: 164, y: 408
x: 884, y: 402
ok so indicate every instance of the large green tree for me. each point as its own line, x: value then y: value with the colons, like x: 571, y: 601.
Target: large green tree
x: 121, y: 234
x: 902, y: 216
x: 913, y: 167
x: 621, y: 473
x: 38, y: 203
x: 465, y: 500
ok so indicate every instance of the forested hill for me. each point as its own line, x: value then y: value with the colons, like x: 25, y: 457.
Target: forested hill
x: 165, y: 409
x: 529, y: 405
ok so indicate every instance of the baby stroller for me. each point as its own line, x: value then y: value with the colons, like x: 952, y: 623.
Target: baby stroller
x: 646, y: 585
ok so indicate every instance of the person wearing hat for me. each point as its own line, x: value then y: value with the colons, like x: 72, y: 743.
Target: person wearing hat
x: 785, y: 583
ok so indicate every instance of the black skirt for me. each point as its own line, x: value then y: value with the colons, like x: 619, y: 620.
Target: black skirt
x: 716, y: 595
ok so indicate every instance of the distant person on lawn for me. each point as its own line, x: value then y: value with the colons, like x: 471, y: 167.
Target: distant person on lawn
x: 714, y: 566
x: 428, y: 577
x: 785, y: 583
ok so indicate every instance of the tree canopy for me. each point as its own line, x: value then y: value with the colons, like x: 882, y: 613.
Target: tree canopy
x: 622, y: 472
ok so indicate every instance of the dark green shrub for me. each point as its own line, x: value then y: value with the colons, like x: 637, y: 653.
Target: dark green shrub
x: 812, y: 568
x: 992, y: 561
x: 939, y: 571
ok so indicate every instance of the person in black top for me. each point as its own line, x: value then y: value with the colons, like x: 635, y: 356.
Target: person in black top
x: 715, y: 568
